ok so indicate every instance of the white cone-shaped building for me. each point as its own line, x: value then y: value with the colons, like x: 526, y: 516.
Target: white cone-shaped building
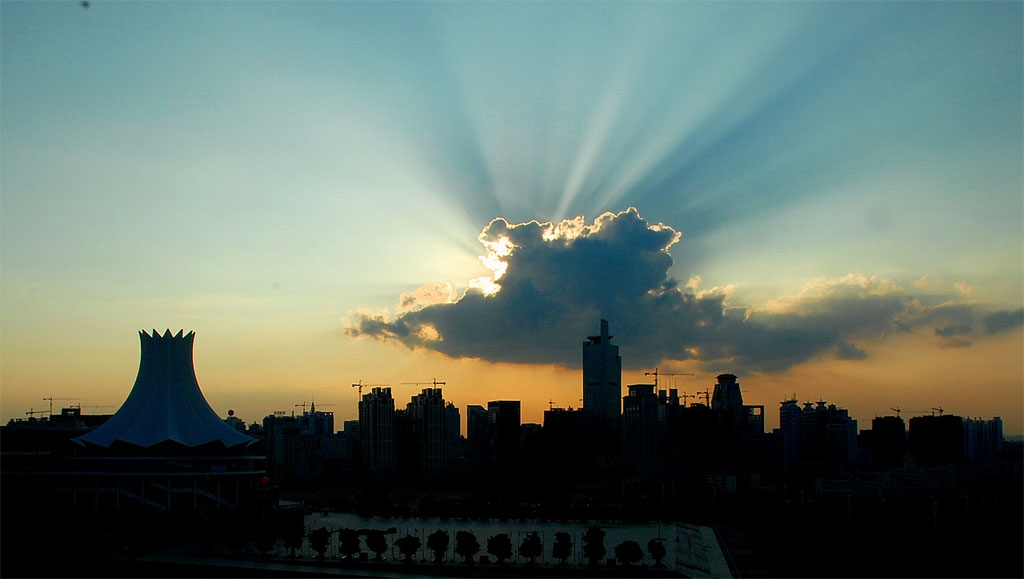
x: 165, y: 406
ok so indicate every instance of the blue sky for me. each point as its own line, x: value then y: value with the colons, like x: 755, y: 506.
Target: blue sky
x: 258, y: 171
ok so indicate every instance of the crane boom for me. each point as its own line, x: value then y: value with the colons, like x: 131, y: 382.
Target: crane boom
x: 656, y: 373
x: 51, y: 399
x: 360, y: 385
x: 433, y: 381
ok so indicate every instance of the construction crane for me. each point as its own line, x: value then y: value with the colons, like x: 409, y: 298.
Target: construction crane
x: 707, y: 396
x: 433, y: 381
x: 896, y: 410
x: 939, y: 410
x: 51, y: 399
x: 656, y: 373
x: 311, y: 405
x: 79, y: 406
x: 32, y: 412
x: 686, y: 396
x: 360, y: 385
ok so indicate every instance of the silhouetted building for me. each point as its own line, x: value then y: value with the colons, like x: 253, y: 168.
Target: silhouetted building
x: 669, y: 417
x: 728, y: 400
x: 740, y: 427
x: 165, y: 449
x: 377, y: 433
x: 351, y: 431
x: 564, y: 445
x: 789, y: 429
x: 937, y: 439
x: 477, y: 438
x: 828, y: 437
x: 602, y: 375
x: 983, y: 439
x: 813, y: 432
x: 888, y: 441
x: 531, y: 448
x: 841, y: 433
x: 640, y: 434
x: 427, y: 408
x: 503, y: 421
x: 281, y: 440
x: 316, y: 423
x: 432, y: 437
x: 407, y: 457
x: 300, y: 447
x: 452, y: 433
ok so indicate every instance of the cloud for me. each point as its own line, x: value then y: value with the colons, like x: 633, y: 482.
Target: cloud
x: 950, y: 331
x: 850, y: 351
x: 553, y: 282
x: 427, y: 294
x: 1003, y: 320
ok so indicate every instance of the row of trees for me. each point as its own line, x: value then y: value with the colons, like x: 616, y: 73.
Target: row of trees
x: 498, y: 546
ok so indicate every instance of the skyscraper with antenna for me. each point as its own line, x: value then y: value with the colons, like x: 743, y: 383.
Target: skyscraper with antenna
x: 602, y: 375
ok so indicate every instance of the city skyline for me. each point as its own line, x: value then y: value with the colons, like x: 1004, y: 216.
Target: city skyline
x: 828, y: 200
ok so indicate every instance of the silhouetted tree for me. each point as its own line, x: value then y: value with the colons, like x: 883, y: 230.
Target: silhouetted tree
x: 407, y: 546
x: 500, y: 546
x: 293, y: 539
x: 531, y: 547
x: 593, y: 545
x: 376, y: 542
x: 466, y: 546
x: 349, y: 542
x: 656, y: 547
x: 562, y: 549
x: 628, y: 552
x: 438, y: 543
x: 318, y: 541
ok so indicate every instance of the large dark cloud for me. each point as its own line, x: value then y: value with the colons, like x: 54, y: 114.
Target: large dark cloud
x: 561, y: 279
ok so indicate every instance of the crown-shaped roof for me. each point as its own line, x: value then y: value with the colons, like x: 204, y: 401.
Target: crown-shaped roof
x: 165, y: 404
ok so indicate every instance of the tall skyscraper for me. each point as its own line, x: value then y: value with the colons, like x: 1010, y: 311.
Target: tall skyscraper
x: 427, y: 410
x: 727, y: 396
x: 503, y: 421
x: 789, y: 426
x: 888, y: 440
x: 377, y: 432
x: 639, y: 433
x: 602, y: 375
x: 477, y: 441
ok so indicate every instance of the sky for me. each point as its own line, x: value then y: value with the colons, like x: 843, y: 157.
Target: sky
x: 824, y: 199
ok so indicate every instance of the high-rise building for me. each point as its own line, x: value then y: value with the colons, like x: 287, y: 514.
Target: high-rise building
x: 639, y: 433
x: 427, y: 409
x: 377, y: 432
x: 727, y: 397
x: 503, y: 421
x: 452, y: 433
x: 841, y: 436
x: 983, y: 439
x: 602, y: 375
x: 888, y: 440
x: 789, y: 427
x: 937, y: 439
x: 828, y: 436
x: 477, y: 441
x: 316, y: 423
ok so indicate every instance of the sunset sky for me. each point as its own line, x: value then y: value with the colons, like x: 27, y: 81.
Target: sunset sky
x: 825, y: 199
